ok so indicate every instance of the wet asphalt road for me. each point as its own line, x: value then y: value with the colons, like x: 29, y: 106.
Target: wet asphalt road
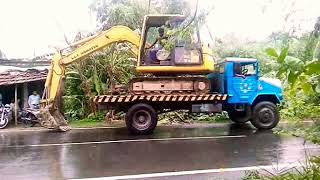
x: 90, y: 153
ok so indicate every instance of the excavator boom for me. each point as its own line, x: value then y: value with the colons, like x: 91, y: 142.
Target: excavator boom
x: 50, y: 114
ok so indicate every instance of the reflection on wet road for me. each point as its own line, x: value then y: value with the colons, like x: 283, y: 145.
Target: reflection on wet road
x: 112, y: 152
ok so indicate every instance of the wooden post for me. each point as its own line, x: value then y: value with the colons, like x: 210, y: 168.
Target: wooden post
x: 16, y: 105
x: 25, y: 95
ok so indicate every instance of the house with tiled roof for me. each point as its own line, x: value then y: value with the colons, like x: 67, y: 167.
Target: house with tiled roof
x: 20, y: 77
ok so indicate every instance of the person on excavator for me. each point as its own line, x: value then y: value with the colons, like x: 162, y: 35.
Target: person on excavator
x: 163, y: 45
x: 156, y: 46
x: 159, y: 41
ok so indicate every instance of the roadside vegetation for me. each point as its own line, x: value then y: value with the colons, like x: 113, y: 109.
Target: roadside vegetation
x: 88, y: 122
x: 310, y: 170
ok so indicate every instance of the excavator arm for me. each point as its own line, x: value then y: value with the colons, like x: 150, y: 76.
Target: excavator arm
x: 50, y: 113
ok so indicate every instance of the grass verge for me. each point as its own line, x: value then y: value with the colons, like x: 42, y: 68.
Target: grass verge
x: 309, y: 171
x: 298, y: 129
x: 95, y: 120
x: 86, y: 123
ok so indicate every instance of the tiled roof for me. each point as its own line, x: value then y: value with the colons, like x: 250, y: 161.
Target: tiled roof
x: 24, y: 63
x: 16, y: 77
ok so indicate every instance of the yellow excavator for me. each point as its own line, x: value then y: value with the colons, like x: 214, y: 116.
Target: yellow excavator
x: 178, y: 69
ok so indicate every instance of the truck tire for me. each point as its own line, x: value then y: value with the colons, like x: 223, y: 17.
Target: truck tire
x: 239, y: 117
x: 141, y: 119
x: 265, y: 115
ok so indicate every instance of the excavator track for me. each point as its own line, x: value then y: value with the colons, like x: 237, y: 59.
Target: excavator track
x: 168, y: 85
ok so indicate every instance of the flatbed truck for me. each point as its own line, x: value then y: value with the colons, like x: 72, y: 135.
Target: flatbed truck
x: 236, y: 87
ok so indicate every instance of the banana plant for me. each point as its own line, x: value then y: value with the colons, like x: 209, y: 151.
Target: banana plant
x: 298, y: 73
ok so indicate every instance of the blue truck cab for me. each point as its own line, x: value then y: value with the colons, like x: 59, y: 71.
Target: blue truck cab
x: 250, y: 96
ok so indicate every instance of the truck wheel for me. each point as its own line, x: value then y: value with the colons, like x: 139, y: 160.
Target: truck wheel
x: 141, y: 119
x: 239, y: 117
x: 265, y: 115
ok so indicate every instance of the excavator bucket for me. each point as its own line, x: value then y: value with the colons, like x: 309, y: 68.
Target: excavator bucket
x: 53, y: 119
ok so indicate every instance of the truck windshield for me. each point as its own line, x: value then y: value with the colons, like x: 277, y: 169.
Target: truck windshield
x: 249, y: 69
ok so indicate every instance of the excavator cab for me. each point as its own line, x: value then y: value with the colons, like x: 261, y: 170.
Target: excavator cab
x: 170, y: 45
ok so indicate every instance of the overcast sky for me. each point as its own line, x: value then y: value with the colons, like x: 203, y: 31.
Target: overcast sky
x: 35, y: 26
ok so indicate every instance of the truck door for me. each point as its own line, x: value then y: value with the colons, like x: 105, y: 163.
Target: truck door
x: 244, y: 81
